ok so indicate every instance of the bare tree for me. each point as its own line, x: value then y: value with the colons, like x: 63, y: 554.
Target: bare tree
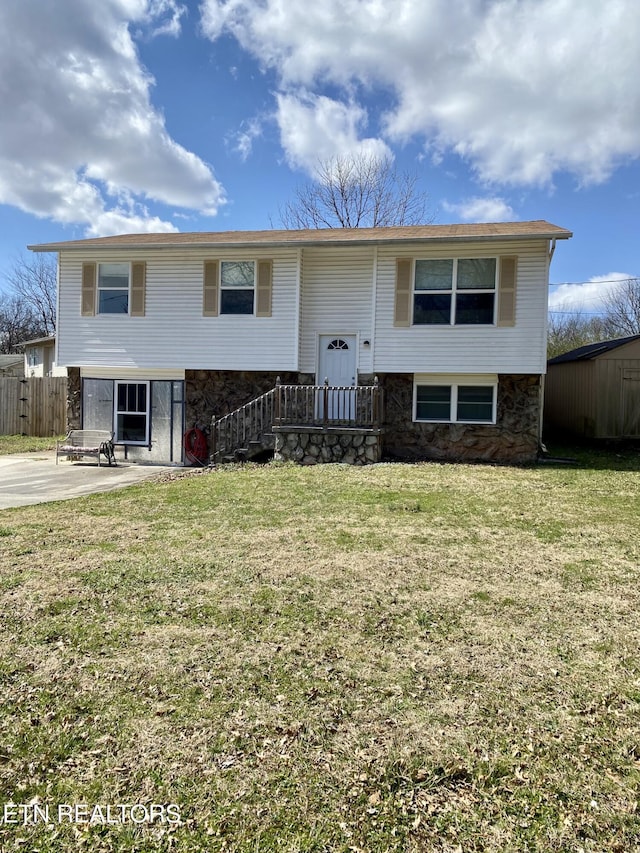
x: 34, y: 281
x: 622, y: 309
x: 569, y: 330
x: 18, y: 323
x: 356, y: 191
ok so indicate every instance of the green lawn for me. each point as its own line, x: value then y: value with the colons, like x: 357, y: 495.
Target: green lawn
x: 25, y: 444
x: 394, y: 658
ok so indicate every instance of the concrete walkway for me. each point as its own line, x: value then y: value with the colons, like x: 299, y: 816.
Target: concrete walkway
x: 33, y: 478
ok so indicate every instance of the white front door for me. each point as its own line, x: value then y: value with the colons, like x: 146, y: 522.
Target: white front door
x: 337, y: 364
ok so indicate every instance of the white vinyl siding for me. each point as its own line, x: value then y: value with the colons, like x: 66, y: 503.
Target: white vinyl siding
x: 174, y: 333
x: 466, y: 349
x: 337, y: 296
x: 336, y: 299
x: 129, y: 374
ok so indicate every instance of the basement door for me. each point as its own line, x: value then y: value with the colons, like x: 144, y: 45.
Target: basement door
x: 337, y: 364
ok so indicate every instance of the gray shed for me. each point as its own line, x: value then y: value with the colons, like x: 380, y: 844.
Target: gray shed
x: 594, y: 390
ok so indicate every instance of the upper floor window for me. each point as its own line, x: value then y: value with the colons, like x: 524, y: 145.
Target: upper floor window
x: 237, y: 287
x: 455, y: 291
x: 113, y: 288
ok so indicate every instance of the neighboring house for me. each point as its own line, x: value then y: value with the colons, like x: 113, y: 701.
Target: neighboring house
x: 162, y: 332
x: 40, y: 358
x: 12, y: 365
x: 594, y: 390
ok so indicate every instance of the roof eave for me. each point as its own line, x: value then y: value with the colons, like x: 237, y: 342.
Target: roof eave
x: 302, y: 244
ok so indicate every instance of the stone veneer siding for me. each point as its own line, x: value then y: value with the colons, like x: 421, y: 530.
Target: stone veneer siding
x: 214, y: 393
x: 514, y: 438
x: 314, y: 446
x: 74, y: 398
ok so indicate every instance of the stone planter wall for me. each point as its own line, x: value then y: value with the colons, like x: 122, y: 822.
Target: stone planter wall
x: 315, y: 446
x: 514, y: 438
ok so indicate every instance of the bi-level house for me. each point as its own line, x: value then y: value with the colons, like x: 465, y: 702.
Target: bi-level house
x: 161, y: 333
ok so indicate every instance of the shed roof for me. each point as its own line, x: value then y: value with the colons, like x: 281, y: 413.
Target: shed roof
x: 537, y: 229
x: 590, y: 351
x: 48, y: 339
x: 7, y: 361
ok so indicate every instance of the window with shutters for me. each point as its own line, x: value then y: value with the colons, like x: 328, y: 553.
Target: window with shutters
x: 113, y: 288
x: 455, y: 291
x: 237, y: 287
x: 463, y: 399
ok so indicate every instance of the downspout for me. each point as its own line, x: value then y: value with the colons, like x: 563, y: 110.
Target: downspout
x: 543, y: 377
x: 541, y: 447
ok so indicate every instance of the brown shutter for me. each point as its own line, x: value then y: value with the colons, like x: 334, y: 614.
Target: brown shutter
x: 265, y: 278
x: 88, y: 308
x: 210, y: 289
x: 138, y: 287
x: 507, y: 291
x: 402, y: 307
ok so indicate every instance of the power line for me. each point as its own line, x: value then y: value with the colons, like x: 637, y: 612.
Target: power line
x: 577, y: 311
x: 600, y: 281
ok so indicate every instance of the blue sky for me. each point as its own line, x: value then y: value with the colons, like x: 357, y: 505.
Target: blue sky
x: 157, y: 115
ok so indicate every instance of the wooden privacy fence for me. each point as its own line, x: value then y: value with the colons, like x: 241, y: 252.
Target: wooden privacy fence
x: 35, y: 406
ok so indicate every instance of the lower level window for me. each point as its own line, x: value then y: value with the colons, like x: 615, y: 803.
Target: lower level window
x: 455, y: 402
x: 132, y: 413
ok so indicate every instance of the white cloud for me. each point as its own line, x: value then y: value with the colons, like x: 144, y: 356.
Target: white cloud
x: 314, y: 128
x: 521, y: 89
x: 478, y: 209
x: 243, y: 140
x: 586, y: 297
x: 79, y: 127
x: 165, y: 17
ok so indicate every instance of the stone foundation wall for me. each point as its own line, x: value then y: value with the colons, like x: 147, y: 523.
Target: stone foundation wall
x: 210, y: 393
x: 74, y: 398
x: 313, y: 447
x: 514, y: 438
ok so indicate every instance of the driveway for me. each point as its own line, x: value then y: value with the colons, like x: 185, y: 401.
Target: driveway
x: 33, y: 478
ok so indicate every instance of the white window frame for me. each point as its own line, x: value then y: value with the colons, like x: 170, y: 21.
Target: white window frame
x: 241, y: 288
x: 116, y: 411
x: 453, y: 291
x: 99, y: 288
x: 455, y: 381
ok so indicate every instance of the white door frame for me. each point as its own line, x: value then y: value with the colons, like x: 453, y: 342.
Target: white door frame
x: 340, y: 404
x: 334, y: 334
